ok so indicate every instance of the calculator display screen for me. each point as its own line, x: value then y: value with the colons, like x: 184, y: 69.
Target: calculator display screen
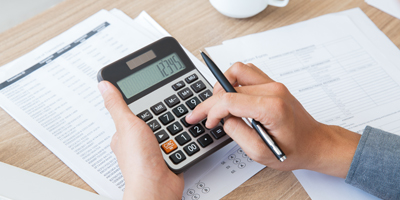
x: 151, y: 75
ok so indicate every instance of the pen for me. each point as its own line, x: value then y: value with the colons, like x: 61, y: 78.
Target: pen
x: 260, y: 129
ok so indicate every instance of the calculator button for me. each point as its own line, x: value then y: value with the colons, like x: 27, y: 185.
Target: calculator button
x: 169, y: 146
x: 183, y: 121
x: 185, y: 93
x: 154, y: 125
x: 145, y: 115
x: 166, y: 118
x: 198, y: 86
x: 178, y: 85
x: 218, y: 132
x: 205, y: 140
x: 177, y: 157
x: 158, y: 108
x: 191, y: 78
x: 204, y: 123
x: 175, y: 128
x: 196, y: 130
x: 192, y: 103
x: 191, y: 148
x: 205, y: 95
x: 161, y: 136
x: 172, y: 101
x: 183, y: 138
x: 180, y: 110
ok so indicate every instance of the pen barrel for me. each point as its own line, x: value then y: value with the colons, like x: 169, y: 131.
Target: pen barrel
x: 260, y: 129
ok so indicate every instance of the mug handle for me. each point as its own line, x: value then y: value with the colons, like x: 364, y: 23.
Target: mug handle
x: 278, y: 3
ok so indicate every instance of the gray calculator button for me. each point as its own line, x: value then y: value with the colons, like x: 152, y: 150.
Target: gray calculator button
x: 161, y: 136
x: 145, y: 115
x: 198, y: 86
x: 192, y: 103
x: 175, y: 128
x: 178, y: 85
x: 154, y: 125
x: 236, y: 161
x: 166, y: 118
x: 201, y: 185
x: 191, y: 78
x: 185, y: 93
x: 190, y: 192
x: 172, y: 101
x: 205, y: 95
x: 158, y: 108
x: 205, y: 190
x: 218, y: 132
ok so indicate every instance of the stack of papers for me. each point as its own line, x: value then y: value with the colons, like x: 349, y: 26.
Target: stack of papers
x: 52, y: 92
x: 342, y: 69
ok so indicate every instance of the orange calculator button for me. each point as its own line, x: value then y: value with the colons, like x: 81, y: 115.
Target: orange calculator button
x: 169, y: 146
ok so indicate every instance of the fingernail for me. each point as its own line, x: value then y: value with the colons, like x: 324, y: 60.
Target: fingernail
x: 189, y: 115
x: 103, y: 86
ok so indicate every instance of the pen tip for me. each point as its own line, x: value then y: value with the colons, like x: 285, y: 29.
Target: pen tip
x: 201, y: 51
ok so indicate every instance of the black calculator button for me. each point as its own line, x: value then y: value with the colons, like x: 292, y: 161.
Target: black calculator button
x: 205, y: 95
x: 145, y: 115
x: 198, y: 86
x: 183, y: 138
x: 177, y: 157
x: 184, y: 122
x: 178, y: 85
x: 205, y: 140
x: 158, y: 108
x: 196, y: 130
x: 191, y: 148
x: 175, y: 128
x: 185, y: 93
x: 218, y: 132
x: 166, y: 118
x: 192, y: 103
x: 191, y: 78
x: 180, y: 110
x: 161, y: 136
x: 204, y: 122
x: 154, y: 125
x: 172, y: 101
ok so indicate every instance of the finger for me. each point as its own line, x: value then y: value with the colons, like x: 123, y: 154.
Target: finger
x: 247, y: 138
x: 260, y: 108
x: 115, y: 104
x: 244, y: 74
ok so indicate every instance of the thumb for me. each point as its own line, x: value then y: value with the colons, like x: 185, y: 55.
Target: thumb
x: 116, y: 105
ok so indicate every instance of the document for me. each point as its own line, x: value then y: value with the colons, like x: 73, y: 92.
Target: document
x: 391, y: 7
x: 333, y: 68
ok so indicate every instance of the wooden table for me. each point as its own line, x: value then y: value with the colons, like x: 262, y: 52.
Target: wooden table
x: 196, y: 25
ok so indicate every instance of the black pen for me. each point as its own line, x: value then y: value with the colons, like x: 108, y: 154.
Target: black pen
x: 260, y: 129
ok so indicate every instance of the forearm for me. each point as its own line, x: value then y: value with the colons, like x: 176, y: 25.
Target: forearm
x: 336, y: 148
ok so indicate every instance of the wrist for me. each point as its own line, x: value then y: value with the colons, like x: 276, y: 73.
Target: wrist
x: 336, y: 150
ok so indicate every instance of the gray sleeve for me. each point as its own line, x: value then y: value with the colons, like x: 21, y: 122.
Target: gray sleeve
x: 376, y: 164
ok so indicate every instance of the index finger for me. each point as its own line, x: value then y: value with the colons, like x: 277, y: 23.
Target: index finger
x: 244, y: 74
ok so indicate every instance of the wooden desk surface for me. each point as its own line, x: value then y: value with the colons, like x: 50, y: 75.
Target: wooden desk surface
x: 196, y: 25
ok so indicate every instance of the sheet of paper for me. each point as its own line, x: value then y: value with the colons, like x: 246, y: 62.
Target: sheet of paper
x: 391, y: 7
x: 335, y: 71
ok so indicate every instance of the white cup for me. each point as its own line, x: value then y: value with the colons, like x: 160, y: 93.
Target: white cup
x: 244, y: 8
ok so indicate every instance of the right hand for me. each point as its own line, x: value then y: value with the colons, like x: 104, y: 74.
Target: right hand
x: 307, y: 143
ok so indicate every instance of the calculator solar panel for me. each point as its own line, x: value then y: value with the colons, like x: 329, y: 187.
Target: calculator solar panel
x: 161, y: 86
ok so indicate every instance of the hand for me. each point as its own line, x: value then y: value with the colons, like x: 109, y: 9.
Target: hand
x: 307, y: 143
x: 139, y: 157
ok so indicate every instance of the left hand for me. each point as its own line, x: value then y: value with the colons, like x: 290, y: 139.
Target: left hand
x: 139, y: 156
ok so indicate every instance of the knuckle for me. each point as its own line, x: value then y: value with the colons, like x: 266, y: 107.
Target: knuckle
x: 228, y: 98
x: 279, y: 88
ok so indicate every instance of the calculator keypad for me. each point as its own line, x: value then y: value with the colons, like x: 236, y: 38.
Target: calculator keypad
x: 180, y: 141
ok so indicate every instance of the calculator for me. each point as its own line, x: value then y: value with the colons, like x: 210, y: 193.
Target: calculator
x: 160, y: 84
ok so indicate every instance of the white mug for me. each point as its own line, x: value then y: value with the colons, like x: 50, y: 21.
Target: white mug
x: 244, y: 8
